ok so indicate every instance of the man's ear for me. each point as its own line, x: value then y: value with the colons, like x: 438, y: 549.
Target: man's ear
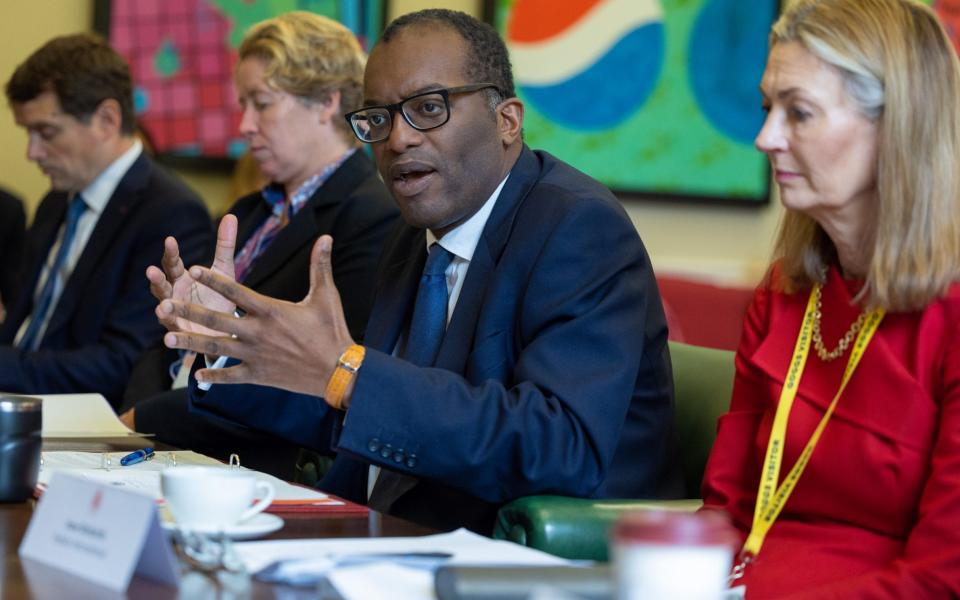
x: 510, y: 120
x: 327, y: 109
x: 108, y: 118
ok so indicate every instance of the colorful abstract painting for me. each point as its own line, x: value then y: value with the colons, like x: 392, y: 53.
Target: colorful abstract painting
x: 655, y: 97
x: 182, y: 54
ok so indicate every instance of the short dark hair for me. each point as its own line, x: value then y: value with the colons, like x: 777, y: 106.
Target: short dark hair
x: 488, y: 60
x: 83, y: 71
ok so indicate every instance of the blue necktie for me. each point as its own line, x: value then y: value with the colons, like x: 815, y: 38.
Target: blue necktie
x: 31, y: 339
x: 429, y: 320
x: 427, y: 326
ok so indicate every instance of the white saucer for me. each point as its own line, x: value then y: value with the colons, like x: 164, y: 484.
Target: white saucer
x: 256, y: 526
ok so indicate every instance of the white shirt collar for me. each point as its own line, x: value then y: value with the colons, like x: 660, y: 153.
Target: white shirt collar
x: 98, y: 193
x: 462, y: 240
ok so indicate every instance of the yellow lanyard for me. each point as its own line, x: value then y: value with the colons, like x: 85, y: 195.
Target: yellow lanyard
x: 770, y: 498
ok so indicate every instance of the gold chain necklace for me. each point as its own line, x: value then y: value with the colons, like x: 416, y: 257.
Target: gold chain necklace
x: 829, y: 355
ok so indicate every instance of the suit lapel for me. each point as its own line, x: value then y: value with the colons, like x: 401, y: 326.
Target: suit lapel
x: 458, y: 340
x: 108, y: 228
x: 43, y: 233
x: 399, y: 279
x: 301, y: 230
x: 256, y: 206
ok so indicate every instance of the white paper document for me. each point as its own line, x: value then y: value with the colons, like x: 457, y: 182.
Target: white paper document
x: 370, y: 568
x: 80, y: 416
x: 144, y: 477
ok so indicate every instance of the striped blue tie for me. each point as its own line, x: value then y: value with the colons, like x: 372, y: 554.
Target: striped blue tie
x: 31, y: 339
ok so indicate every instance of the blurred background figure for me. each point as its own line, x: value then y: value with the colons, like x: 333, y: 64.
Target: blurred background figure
x: 84, y: 314
x: 13, y: 222
x: 297, y: 76
x: 861, y: 308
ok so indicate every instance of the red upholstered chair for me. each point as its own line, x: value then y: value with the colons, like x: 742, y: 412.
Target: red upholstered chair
x: 704, y: 314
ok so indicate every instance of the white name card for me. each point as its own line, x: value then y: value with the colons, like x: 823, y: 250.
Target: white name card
x: 99, y: 533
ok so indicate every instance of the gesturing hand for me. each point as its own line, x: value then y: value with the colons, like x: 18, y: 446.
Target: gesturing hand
x: 173, y: 282
x: 294, y: 346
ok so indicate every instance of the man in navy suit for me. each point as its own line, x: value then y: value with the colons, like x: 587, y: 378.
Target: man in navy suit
x: 548, y: 370
x: 84, y: 313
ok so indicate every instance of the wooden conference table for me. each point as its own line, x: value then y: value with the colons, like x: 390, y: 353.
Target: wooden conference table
x: 20, y: 581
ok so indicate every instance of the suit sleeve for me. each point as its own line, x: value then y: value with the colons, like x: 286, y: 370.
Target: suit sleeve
x: 930, y: 564
x: 733, y: 470
x: 549, y: 424
x: 128, y: 322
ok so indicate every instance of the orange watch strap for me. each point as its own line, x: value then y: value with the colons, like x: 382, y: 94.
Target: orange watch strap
x: 347, y: 366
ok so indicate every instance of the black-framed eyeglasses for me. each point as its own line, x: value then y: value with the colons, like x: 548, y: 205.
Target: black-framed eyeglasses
x: 424, y: 111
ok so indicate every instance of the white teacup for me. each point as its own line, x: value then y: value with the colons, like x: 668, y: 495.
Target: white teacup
x: 211, y: 499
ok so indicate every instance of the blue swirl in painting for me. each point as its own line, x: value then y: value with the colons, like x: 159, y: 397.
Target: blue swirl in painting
x: 595, y: 72
x: 726, y: 50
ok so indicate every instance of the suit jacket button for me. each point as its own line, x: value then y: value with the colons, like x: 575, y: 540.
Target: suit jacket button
x: 398, y: 456
x: 386, y: 451
x: 374, y: 445
x: 411, y: 461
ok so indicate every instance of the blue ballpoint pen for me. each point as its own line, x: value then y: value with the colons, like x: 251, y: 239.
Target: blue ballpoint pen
x: 137, y: 456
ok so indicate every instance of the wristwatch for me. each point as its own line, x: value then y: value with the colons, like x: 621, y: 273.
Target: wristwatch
x: 347, y: 366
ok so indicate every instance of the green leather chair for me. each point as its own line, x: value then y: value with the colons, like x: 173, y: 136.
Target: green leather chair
x: 577, y: 528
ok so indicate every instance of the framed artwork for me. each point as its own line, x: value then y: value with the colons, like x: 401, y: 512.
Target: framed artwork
x: 182, y: 55
x: 655, y: 98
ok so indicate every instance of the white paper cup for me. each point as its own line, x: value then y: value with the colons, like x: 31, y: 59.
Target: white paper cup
x: 211, y: 499
x: 676, y: 555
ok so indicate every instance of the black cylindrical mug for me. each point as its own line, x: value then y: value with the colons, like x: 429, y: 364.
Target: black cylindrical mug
x: 21, y: 420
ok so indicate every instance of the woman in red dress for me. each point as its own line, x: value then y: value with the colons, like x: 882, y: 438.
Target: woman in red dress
x: 839, y: 461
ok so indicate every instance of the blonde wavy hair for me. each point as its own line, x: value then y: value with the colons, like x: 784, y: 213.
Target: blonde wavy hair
x: 310, y: 56
x: 899, y: 66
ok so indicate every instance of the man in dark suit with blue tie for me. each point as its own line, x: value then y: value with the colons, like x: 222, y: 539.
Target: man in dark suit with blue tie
x: 84, y: 313
x: 517, y: 343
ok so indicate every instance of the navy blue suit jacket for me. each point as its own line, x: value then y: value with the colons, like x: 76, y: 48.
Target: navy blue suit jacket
x: 105, y: 316
x: 553, y: 375
x: 12, y: 226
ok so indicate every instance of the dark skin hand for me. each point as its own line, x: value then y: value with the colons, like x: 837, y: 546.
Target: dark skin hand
x: 171, y: 280
x: 293, y: 346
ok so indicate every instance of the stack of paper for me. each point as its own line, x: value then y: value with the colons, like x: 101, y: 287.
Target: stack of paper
x: 81, y: 416
x: 144, y: 477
